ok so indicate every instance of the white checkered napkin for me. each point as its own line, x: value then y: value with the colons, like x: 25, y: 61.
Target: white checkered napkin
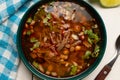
x: 9, y: 58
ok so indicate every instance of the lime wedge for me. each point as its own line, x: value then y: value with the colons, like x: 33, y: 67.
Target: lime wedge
x: 110, y: 3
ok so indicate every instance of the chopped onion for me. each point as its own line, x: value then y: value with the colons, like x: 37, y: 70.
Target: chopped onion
x: 75, y: 37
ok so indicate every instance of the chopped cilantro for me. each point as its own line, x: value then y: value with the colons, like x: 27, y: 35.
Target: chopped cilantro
x: 92, y: 36
x: 73, y: 70
x: 33, y: 40
x: 28, y: 32
x: 29, y: 20
x: 36, y: 45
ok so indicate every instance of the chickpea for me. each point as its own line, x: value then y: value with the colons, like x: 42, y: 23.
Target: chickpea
x: 77, y: 48
x: 41, y: 68
x: 62, y: 60
x: 72, y: 49
x: 48, y: 72
x: 88, y: 64
x: 78, y: 70
x: 53, y: 73
x: 50, y: 68
x: 26, y: 25
x: 64, y: 57
x: 66, y: 51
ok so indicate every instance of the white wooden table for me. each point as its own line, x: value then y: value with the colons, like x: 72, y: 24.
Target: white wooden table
x: 111, y: 18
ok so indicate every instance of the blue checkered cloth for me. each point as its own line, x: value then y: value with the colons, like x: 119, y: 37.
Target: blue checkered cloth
x: 11, y: 12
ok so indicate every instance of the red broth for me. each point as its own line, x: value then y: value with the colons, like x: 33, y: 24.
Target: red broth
x: 61, y: 39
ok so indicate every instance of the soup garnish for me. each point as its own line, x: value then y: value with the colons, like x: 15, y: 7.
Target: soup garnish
x: 61, y: 39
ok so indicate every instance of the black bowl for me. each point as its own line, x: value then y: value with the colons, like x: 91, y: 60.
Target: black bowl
x: 92, y: 12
